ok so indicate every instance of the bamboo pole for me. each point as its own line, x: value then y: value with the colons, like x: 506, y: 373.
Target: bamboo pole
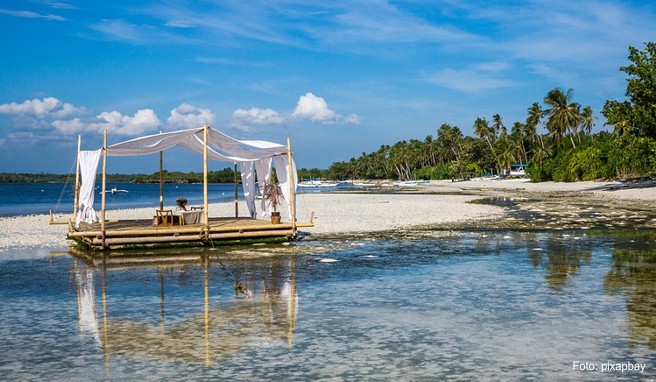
x: 206, y: 309
x: 161, y: 179
x: 205, y: 203
x: 290, y: 180
x: 186, y: 231
x: 236, y: 193
x: 104, y: 186
x: 188, y: 238
x: 76, y: 198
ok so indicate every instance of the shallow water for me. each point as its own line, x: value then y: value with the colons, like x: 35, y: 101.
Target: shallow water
x: 474, y: 306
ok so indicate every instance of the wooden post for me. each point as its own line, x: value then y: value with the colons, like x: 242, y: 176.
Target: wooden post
x: 104, y: 186
x: 161, y: 179
x: 236, y: 193
x: 205, y: 203
x: 76, y: 198
x: 290, y: 179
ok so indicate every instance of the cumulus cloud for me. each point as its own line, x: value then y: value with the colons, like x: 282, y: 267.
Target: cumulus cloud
x: 39, y: 113
x: 313, y: 108
x: 48, y: 107
x: 143, y: 121
x: 308, y: 108
x: 187, y: 116
x: 259, y: 116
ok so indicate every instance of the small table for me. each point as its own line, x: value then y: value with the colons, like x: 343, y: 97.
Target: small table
x: 190, y: 217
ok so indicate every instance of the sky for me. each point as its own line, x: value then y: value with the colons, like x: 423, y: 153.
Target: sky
x: 338, y: 78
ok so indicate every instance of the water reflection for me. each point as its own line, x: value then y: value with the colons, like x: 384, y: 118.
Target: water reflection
x: 633, y: 273
x: 561, y: 255
x: 239, y: 302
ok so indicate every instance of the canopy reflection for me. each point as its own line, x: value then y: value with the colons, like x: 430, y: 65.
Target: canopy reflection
x: 264, y: 308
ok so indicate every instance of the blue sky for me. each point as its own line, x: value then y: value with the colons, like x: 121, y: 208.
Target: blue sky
x: 338, y: 77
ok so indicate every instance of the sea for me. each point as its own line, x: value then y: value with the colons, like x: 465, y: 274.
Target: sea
x: 40, y: 198
x: 488, y: 305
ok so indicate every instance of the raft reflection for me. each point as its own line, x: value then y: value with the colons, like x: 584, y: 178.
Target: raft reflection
x: 264, y: 307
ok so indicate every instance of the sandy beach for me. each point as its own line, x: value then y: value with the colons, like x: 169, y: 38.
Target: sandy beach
x: 437, y: 204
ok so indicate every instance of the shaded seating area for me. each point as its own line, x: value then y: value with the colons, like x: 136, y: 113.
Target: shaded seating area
x: 191, y: 225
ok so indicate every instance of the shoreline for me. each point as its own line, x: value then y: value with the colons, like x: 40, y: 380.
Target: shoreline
x: 438, y: 205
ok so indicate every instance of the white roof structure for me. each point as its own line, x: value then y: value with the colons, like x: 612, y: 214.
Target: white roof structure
x: 254, y: 157
x: 221, y: 147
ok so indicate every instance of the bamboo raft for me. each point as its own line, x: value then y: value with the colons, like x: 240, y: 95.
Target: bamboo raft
x: 140, y: 234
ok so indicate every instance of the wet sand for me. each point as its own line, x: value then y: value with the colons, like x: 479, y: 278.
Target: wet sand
x: 437, y: 205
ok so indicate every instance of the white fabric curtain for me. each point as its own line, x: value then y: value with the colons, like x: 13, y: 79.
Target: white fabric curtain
x: 248, y: 185
x: 263, y: 170
x: 281, y: 165
x: 88, y: 161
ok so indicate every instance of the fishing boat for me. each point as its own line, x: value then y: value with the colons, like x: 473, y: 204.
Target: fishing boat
x: 317, y: 184
x: 167, y: 227
x: 116, y: 191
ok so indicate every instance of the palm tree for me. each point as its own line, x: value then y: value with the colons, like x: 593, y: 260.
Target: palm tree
x: 482, y: 129
x: 587, y: 120
x: 533, y: 120
x: 519, y: 134
x: 498, y: 126
x: 505, y: 153
x: 562, y: 114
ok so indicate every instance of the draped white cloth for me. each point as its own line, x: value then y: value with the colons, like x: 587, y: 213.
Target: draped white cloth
x: 255, y: 157
x: 263, y: 169
x: 88, y: 161
x: 221, y: 147
x: 280, y: 163
x: 248, y: 185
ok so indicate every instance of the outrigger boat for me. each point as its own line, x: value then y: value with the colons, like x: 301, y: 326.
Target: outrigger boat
x: 168, y: 228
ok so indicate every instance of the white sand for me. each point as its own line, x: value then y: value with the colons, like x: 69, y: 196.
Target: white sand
x: 343, y: 213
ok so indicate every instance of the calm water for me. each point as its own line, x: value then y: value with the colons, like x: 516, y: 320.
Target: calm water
x: 477, y: 306
x: 39, y: 198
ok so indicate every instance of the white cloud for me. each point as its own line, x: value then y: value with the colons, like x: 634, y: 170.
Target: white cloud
x: 309, y: 108
x: 481, y: 77
x: 187, y: 116
x: 31, y: 15
x: 143, y: 121
x: 259, y: 116
x: 49, y: 107
x: 313, y: 108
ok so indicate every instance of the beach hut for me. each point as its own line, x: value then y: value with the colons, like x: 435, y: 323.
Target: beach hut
x: 167, y: 228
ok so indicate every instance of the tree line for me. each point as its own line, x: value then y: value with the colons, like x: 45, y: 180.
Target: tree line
x: 227, y: 175
x: 567, y: 150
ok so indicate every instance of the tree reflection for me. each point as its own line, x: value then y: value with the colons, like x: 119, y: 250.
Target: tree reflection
x: 633, y: 273
x: 561, y: 256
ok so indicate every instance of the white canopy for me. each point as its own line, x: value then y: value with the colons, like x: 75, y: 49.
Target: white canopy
x: 251, y: 154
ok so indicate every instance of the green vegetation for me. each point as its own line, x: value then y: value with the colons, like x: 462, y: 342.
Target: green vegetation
x: 226, y: 175
x: 568, y: 151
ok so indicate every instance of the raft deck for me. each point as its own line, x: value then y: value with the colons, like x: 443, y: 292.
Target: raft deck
x: 145, y: 233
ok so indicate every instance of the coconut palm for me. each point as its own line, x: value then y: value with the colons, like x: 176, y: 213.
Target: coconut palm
x: 498, y: 126
x: 482, y: 129
x: 587, y: 120
x: 505, y: 150
x: 562, y: 114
